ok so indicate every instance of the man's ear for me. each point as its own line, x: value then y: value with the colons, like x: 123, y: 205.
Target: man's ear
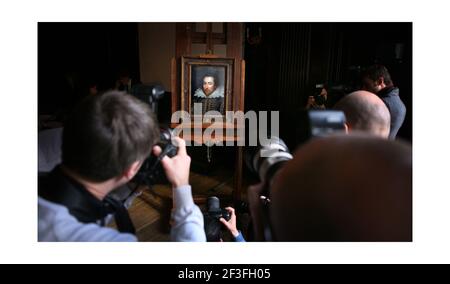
x: 132, y: 170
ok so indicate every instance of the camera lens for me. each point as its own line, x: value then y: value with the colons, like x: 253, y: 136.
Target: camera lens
x: 213, y: 204
x: 268, y: 158
x: 165, y: 135
x: 320, y: 100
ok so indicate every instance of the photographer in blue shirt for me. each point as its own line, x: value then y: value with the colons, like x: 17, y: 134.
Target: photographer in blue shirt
x: 231, y: 225
x: 105, y: 142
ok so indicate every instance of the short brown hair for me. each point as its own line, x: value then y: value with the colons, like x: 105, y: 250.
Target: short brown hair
x: 376, y: 71
x: 105, y: 134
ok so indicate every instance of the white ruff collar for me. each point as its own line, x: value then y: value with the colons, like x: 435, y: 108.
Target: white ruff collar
x: 218, y: 93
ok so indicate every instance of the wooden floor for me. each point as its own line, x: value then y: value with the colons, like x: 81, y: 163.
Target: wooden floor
x: 150, y: 211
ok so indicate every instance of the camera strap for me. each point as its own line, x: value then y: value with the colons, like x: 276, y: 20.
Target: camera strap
x: 121, y: 216
x: 59, y: 188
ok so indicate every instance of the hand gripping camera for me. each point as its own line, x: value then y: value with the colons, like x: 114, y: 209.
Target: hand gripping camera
x: 151, y: 171
x: 212, y: 216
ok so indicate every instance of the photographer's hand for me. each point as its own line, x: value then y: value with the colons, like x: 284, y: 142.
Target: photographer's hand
x: 231, y: 224
x: 177, y: 167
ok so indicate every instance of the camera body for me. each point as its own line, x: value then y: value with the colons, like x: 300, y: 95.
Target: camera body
x: 319, y: 99
x: 318, y: 123
x: 212, y: 216
x: 319, y: 93
x: 213, y: 209
x: 151, y: 171
x: 222, y: 213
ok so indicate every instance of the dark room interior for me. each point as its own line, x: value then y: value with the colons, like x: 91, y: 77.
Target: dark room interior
x: 276, y: 68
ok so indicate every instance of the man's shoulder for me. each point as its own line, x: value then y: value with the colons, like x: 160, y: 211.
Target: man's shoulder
x: 389, y: 92
x: 56, y: 224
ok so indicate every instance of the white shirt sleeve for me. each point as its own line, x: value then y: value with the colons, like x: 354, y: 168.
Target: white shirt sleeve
x: 187, y: 219
x: 57, y: 225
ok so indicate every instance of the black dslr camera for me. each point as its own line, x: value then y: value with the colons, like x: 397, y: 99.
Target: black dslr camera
x: 319, y: 95
x: 212, y: 216
x: 151, y: 171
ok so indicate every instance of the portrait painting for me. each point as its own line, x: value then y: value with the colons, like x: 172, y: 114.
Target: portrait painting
x: 206, y: 85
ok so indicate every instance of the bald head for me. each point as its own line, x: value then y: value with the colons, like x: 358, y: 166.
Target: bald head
x: 345, y: 188
x: 366, y: 112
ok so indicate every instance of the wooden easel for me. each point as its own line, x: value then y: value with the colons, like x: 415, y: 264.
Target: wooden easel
x: 232, y: 37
